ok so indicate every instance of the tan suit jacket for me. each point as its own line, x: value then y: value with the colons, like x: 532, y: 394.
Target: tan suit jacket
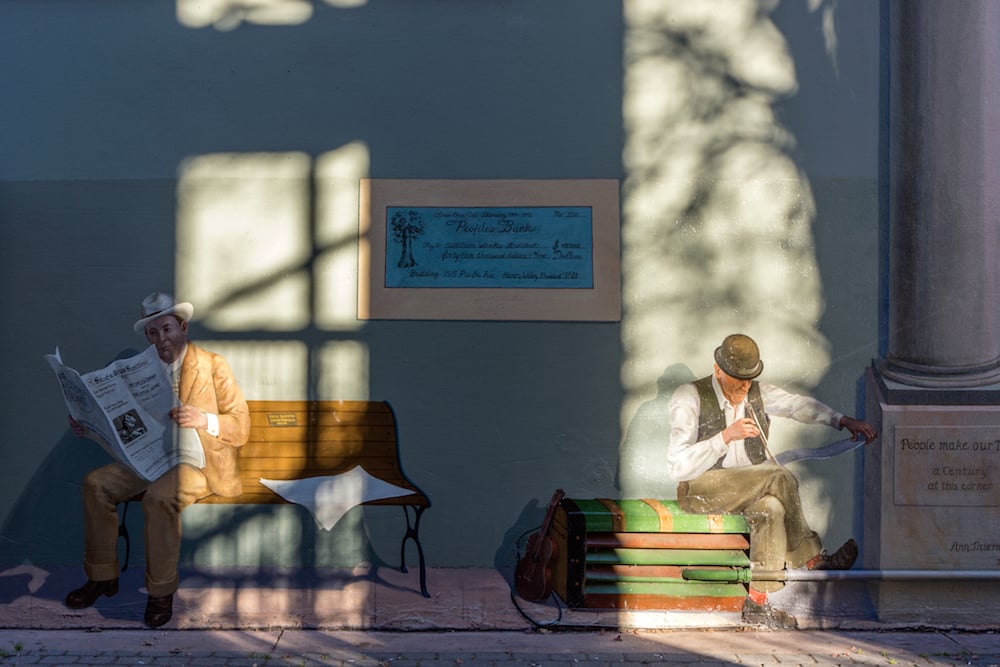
x: 207, y: 383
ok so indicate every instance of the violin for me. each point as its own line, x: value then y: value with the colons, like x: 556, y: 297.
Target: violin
x: 533, y: 574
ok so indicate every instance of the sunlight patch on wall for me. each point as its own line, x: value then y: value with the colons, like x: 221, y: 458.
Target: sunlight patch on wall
x: 338, y: 174
x: 225, y: 15
x: 244, y: 240
x: 717, y: 217
x: 828, y: 20
x: 343, y: 371
x: 271, y: 370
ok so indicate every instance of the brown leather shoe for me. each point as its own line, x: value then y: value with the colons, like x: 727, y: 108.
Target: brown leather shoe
x: 842, y: 559
x: 87, y: 594
x: 159, y: 610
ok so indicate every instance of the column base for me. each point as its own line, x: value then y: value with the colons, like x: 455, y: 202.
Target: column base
x: 901, y: 388
x: 918, y: 375
x: 932, y: 499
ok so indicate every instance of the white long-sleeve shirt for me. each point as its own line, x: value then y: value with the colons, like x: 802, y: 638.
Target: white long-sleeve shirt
x: 688, y: 457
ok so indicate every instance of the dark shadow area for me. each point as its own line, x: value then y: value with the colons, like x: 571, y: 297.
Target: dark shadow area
x: 48, y: 515
x: 515, y: 539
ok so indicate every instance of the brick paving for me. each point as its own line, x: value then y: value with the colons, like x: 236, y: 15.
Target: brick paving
x: 305, y: 648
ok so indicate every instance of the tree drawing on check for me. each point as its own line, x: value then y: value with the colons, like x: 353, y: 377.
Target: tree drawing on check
x: 406, y: 227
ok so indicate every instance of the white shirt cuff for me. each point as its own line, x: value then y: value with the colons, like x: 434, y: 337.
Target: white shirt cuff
x: 213, y: 424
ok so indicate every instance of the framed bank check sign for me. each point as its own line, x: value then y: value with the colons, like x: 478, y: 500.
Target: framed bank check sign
x: 489, y: 250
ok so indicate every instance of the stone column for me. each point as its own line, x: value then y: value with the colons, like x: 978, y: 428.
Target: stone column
x: 932, y: 482
x: 944, y: 164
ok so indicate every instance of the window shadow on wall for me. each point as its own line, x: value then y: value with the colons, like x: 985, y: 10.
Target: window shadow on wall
x: 268, y: 242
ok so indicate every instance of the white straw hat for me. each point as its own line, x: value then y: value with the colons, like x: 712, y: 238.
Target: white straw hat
x: 159, y: 304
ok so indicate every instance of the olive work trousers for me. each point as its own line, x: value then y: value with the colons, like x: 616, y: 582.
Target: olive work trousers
x: 768, y: 496
x: 162, y: 504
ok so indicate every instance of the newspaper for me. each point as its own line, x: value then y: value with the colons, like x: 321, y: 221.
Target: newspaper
x: 124, y: 407
x: 819, y: 453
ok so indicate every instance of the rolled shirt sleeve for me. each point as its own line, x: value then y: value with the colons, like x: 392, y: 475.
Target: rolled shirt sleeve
x: 688, y: 457
x: 805, y: 409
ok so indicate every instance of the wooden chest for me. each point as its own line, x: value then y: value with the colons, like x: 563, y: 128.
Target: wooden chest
x: 631, y: 554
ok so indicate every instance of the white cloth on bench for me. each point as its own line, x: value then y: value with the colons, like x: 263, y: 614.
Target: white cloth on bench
x: 330, y: 497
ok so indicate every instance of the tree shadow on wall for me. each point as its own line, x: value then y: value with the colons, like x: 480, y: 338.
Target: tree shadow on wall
x: 642, y: 462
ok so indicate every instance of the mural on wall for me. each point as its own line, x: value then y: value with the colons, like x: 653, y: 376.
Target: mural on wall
x: 742, y: 145
x: 489, y: 250
x: 538, y: 247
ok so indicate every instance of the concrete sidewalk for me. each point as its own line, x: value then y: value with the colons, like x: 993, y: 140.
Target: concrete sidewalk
x: 706, y: 648
x: 385, y: 599
x: 369, y: 617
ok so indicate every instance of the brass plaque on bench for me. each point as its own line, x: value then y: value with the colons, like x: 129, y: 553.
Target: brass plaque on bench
x: 282, y: 419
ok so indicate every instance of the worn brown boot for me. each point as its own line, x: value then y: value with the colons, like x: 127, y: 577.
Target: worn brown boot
x: 842, y: 559
x: 87, y: 594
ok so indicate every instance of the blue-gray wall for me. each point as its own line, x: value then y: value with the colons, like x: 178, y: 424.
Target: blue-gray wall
x: 106, y: 102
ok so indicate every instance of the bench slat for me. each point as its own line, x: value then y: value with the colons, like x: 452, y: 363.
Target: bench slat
x: 323, y: 413
x: 281, y: 467
x: 317, y: 450
x: 303, y: 405
x: 729, y: 557
x: 256, y: 494
x: 667, y: 541
x: 316, y: 434
x: 647, y: 573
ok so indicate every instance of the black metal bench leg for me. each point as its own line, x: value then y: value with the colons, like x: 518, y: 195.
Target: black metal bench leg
x: 413, y: 533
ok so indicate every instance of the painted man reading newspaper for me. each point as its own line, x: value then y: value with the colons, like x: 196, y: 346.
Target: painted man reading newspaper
x: 213, y: 405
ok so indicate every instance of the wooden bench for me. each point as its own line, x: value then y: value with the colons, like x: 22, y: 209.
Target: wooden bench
x: 300, y: 439
x: 632, y: 555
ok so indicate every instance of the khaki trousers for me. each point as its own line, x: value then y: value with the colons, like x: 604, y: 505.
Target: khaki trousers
x: 162, y: 505
x: 768, y: 496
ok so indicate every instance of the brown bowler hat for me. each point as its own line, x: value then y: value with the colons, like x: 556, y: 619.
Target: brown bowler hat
x: 739, y: 357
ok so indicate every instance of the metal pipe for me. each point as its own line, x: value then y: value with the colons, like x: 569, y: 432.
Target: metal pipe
x: 876, y: 575
x: 745, y: 575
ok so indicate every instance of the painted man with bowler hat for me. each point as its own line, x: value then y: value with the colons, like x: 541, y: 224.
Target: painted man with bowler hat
x: 213, y: 405
x: 718, y: 454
